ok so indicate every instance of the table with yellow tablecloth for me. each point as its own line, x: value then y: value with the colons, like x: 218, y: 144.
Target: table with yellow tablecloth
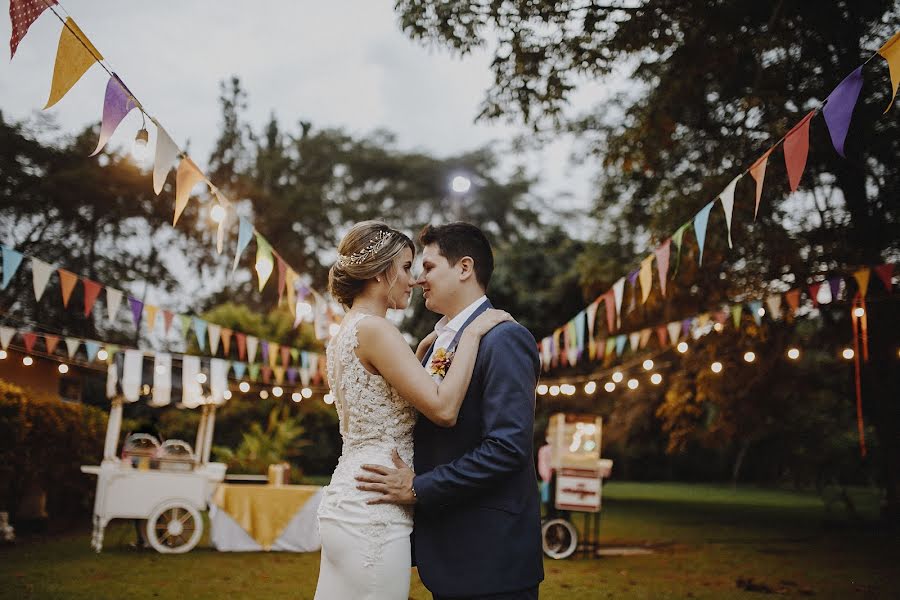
x: 253, y: 518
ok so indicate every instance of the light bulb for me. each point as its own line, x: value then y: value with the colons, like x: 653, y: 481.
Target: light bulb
x: 460, y: 184
x: 217, y: 213
x: 793, y: 353
x: 618, y: 376
x: 590, y: 387
x: 328, y: 398
x: 718, y: 327
x: 201, y: 378
x: 227, y: 394
x: 63, y: 368
x: 306, y: 392
x: 632, y: 384
x: 277, y: 391
x: 749, y: 356
x: 264, y: 394
x: 761, y: 311
x: 3, y: 355
x: 27, y: 361
x: 554, y: 390
x: 716, y: 367
x: 859, y: 312
x: 682, y: 347
x: 848, y: 353
x: 609, y: 386
x: 244, y: 387
x: 648, y: 364
x: 139, y: 149
x: 542, y: 389
x: 656, y: 379
x: 102, y: 355
x: 296, y: 397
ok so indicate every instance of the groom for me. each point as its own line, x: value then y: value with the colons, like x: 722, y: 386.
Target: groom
x: 477, y: 516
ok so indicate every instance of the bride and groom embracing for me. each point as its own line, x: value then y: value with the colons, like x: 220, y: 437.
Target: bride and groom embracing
x: 436, y: 468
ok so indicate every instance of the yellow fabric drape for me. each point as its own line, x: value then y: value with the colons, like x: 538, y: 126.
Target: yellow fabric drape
x: 263, y: 511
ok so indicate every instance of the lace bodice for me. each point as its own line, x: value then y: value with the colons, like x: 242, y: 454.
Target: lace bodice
x: 374, y: 420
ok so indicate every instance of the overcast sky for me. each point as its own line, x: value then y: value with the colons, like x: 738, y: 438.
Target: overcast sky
x: 343, y: 63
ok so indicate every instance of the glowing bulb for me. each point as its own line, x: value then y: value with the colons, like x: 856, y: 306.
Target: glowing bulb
x: 201, y: 378
x: 296, y: 397
x: 277, y: 391
x: 306, y: 393
x: 761, y: 311
x: 848, y: 353
x: 682, y: 347
x: 617, y: 376
x: 648, y: 364
x: 569, y: 389
x: 716, y: 367
x: 718, y: 327
x: 139, y: 148
x: 217, y: 213
x: 27, y: 361
x: 460, y: 184
x: 609, y: 386
x: 656, y: 379
x: 145, y: 390
x: 590, y: 387
x: 859, y: 312
x: 632, y: 384
x: 554, y: 390
x: 63, y: 368
x: 328, y: 398
x: 102, y: 355
x: 749, y: 356
x: 3, y: 354
x: 227, y: 394
x: 264, y: 394
x: 793, y: 353
x: 333, y: 329
x: 244, y: 387
x: 542, y: 389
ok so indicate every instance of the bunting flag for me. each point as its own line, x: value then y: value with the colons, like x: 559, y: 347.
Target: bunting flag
x: 6, y: 336
x: 113, y: 302
x: 92, y: 349
x: 662, y: 263
x: 266, y: 374
x: 22, y: 13
x: 796, y: 150
x: 646, y: 277
x: 74, y: 56
x: 279, y: 374
x: 91, y: 291
x: 758, y: 172
x: 252, y: 346
x: 185, y: 321
x: 282, y: 277
x: 263, y: 260
x: 40, y: 274
x: 29, y: 338
x: 72, y: 346
x: 620, y: 344
x: 727, y: 198
x: 272, y: 354
x: 885, y: 272
x: 814, y: 293
x: 223, y: 223
x: 200, y: 331
x: 137, y: 308
x: 773, y: 305
x: 611, y: 345
x: 241, y: 345
x: 632, y: 280
x: 295, y: 354
x: 67, y: 281
x: 661, y: 335
x: 823, y: 294
x: 167, y: 321
x: 618, y: 291
x: 245, y: 233
x: 254, y: 371
x: 755, y: 305
x: 644, y: 337
x: 215, y: 334
x: 218, y: 379
x: 265, y: 351
x: 187, y: 176
x: 839, y: 108
x: 736, y: 312
x: 166, y: 153
x: 610, y: 311
x: 591, y: 317
x: 285, y: 356
x: 239, y: 369
x: 117, y: 103
x: 834, y: 284
x: 634, y: 340
x: 51, y: 341
x: 162, y: 379
x: 292, y: 375
x: 191, y: 391
x: 700, y: 222
x: 226, y: 341
x: 673, y: 328
x: 862, y: 279
x: 793, y: 300
x: 890, y: 51
x: 291, y: 291
x: 11, y: 262
x: 678, y: 238
x: 150, y: 312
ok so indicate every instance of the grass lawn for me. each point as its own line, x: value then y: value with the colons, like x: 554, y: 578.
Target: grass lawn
x: 709, y: 542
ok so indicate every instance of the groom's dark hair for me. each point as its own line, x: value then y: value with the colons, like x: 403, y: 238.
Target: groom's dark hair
x: 458, y: 239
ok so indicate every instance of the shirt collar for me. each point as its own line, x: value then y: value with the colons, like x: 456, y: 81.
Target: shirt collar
x: 459, y: 320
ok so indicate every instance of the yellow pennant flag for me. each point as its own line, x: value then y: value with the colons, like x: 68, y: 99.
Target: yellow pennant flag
x: 150, y: 314
x: 891, y: 53
x: 74, y: 57
x: 186, y: 178
x: 291, y: 293
x: 646, y: 277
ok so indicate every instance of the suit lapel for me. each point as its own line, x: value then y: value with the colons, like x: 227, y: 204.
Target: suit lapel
x: 481, y: 308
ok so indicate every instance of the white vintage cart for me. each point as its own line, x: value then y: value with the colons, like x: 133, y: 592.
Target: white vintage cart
x: 170, y: 497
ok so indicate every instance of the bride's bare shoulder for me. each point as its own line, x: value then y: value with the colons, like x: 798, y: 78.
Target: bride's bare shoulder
x: 376, y: 327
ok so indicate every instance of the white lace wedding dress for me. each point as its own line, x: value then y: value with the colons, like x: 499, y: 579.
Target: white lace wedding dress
x: 365, y: 547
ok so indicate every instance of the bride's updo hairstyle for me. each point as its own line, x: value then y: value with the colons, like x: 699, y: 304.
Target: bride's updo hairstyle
x: 368, y: 250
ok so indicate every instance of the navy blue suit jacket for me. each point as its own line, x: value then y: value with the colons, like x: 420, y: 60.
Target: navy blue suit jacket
x: 477, y: 518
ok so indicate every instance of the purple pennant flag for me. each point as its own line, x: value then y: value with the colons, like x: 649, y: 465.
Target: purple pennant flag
x: 137, y: 307
x: 292, y: 375
x: 839, y: 108
x: 116, y: 105
x: 265, y: 351
x: 835, y: 284
x: 685, y: 327
x: 632, y: 278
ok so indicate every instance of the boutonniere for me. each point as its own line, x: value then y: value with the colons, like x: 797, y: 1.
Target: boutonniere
x: 440, y: 362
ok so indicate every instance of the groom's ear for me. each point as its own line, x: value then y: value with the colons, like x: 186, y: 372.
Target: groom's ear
x: 466, y: 268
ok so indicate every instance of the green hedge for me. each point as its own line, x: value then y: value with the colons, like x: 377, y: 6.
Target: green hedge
x: 45, y: 441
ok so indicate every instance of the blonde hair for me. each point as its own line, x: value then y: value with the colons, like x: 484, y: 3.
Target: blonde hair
x: 368, y: 250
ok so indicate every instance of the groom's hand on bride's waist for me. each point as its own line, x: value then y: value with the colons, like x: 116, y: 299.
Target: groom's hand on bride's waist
x: 391, y: 485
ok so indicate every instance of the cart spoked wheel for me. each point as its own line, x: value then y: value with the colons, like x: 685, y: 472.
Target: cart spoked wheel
x: 559, y: 538
x: 174, y: 528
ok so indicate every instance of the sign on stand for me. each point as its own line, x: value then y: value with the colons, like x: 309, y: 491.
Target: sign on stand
x: 578, y: 489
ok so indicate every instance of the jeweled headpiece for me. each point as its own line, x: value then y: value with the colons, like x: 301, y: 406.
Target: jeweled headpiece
x: 372, y: 249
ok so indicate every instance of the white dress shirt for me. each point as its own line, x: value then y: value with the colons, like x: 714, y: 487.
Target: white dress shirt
x: 447, y: 329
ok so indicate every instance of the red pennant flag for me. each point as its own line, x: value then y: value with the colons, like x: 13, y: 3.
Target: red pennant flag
x: 885, y: 272
x: 91, y: 291
x: 285, y: 356
x: 266, y: 374
x: 29, y: 341
x: 67, y: 282
x: 226, y: 341
x: 796, y: 150
x: 814, y: 293
x: 661, y: 335
x: 242, y: 345
x: 609, y: 299
x: 282, y: 271
x: 22, y: 13
x: 168, y: 316
x: 758, y: 172
x: 51, y: 341
x: 793, y: 299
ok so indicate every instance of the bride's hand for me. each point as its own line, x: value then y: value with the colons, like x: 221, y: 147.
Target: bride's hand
x: 487, y: 321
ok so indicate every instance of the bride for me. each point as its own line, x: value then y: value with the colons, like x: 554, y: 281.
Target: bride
x: 379, y: 386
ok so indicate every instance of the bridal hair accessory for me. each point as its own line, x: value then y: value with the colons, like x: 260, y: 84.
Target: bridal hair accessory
x: 372, y: 249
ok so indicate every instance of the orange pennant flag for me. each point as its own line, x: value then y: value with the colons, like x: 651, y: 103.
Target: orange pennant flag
x: 758, y: 172
x: 862, y: 279
x: 51, y: 341
x: 67, y: 281
x: 793, y: 299
x: 91, y: 291
x: 74, y: 56
x: 226, y: 341
x: 890, y: 51
x: 796, y: 150
x: 187, y: 176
